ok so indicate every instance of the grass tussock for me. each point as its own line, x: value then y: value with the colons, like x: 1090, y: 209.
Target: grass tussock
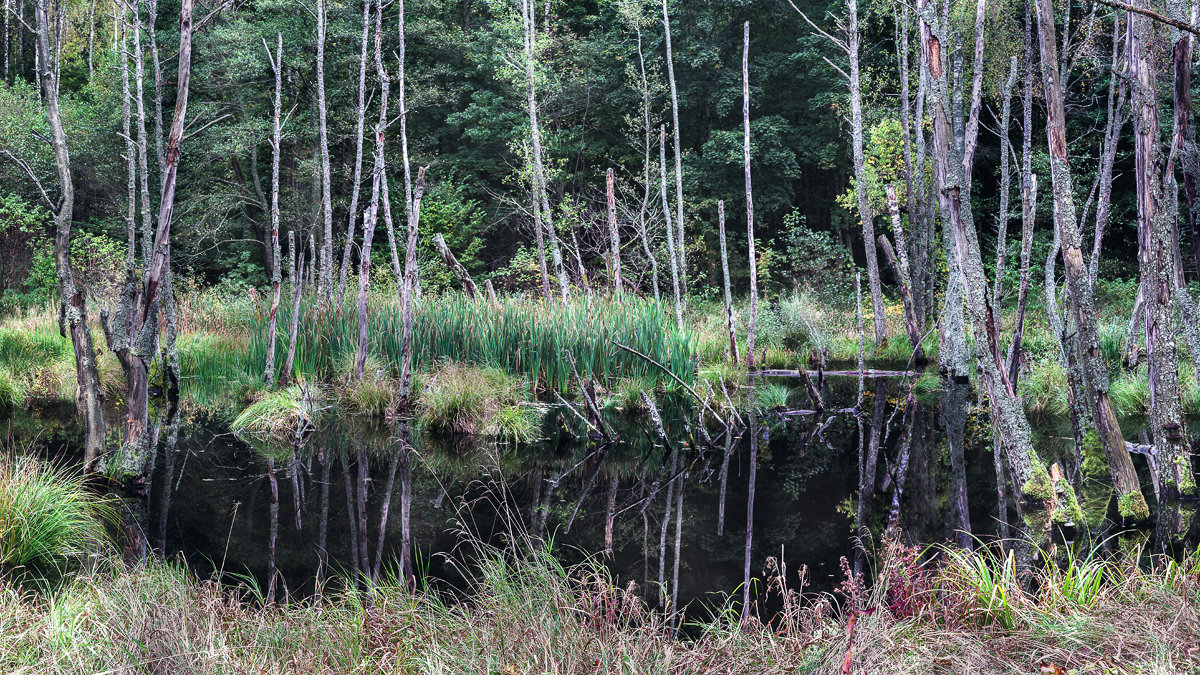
x: 281, y: 414
x: 48, y: 516
x: 469, y: 400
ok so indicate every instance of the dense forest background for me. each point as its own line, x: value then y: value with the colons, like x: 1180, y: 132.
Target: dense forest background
x: 468, y: 122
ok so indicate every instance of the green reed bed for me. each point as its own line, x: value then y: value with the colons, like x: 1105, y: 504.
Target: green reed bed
x: 522, y: 336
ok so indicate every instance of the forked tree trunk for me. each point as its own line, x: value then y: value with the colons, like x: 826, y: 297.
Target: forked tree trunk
x: 1087, y: 338
x: 1006, y: 407
x: 372, y: 218
x: 733, y: 350
x: 72, y: 303
x: 360, y: 114
x: 1156, y: 247
x: 277, y: 66
x: 753, y: 324
x: 614, y: 237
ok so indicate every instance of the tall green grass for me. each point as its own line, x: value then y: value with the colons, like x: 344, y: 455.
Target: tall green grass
x: 522, y: 336
x: 48, y: 517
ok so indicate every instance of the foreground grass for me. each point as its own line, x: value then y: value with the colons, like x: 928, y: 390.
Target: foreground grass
x: 526, y: 613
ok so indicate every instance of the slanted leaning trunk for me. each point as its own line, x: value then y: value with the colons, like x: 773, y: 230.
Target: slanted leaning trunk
x: 460, y: 272
x: 898, y: 259
x: 72, y: 302
x: 1087, y: 336
x: 949, y: 169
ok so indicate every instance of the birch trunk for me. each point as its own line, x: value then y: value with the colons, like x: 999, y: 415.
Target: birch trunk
x: 72, y: 303
x: 671, y: 250
x: 898, y: 259
x: 733, y: 350
x: 408, y: 287
x: 322, y: 129
x: 1156, y: 247
x: 1011, y: 423
x: 678, y: 148
x: 159, y: 152
x: 915, y: 227
x: 753, y: 324
x: 297, y: 283
x: 542, y: 201
x: 360, y: 113
x: 143, y: 161
x: 645, y: 87
x: 277, y: 66
x: 860, y: 176
x: 614, y: 237
x: 1087, y: 339
x: 372, y: 218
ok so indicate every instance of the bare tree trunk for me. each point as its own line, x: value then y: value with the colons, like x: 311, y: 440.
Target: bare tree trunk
x: 614, y: 237
x: 753, y: 324
x: 322, y: 129
x: 130, y: 147
x: 297, y: 283
x: 72, y: 303
x: 540, y: 237
x: 408, y: 287
x: 277, y: 66
x: 143, y: 161
x: 360, y: 111
x: 460, y: 272
x: 1156, y: 248
x: 372, y: 217
x: 91, y: 36
x: 1029, y: 203
x: 1087, y: 338
x: 898, y: 259
x: 915, y: 227
x: 542, y: 201
x: 1118, y: 113
x: 645, y: 87
x: 671, y: 250
x: 681, y: 255
x: 159, y: 151
x: 733, y: 350
x: 1005, y: 179
x: 1005, y: 405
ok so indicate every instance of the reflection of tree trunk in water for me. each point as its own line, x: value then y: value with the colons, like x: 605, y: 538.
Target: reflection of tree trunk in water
x: 273, y: 534
x: 164, y: 504
x: 724, y: 483
x: 383, y: 517
x: 361, y: 504
x: 294, y: 475
x: 323, y: 530
x: 610, y: 514
x: 544, y: 507
x: 674, y: 603
x: 586, y: 491
x: 406, y: 567
x: 866, y: 467
x: 351, y: 514
x: 954, y: 403
x: 662, y: 534
x: 539, y: 478
x: 750, y: 505
x: 901, y: 471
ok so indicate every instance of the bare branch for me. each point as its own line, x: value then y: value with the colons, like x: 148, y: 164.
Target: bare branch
x: 841, y: 44
x: 24, y: 165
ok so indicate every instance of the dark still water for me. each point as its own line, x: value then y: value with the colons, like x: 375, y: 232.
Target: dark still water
x: 253, y: 507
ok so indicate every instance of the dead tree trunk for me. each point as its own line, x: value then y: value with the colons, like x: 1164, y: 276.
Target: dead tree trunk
x: 372, y: 218
x: 1005, y: 179
x: 460, y: 272
x: 753, y: 324
x: 733, y: 350
x: 671, y: 250
x: 1156, y: 247
x: 1087, y: 338
x: 680, y: 254
x: 408, y: 288
x: 614, y: 237
x: 542, y: 200
x: 360, y: 113
x: 645, y: 90
x: 1006, y: 407
x: 1118, y: 114
x: 326, y: 275
x: 277, y: 66
x: 297, y: 283
x: 72, y: 303
x: 1029, y: 196
x: 860, y: 175
x: 898, y: 259
x: 143, y: 151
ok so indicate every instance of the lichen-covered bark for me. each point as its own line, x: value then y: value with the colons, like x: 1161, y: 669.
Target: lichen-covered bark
x: 355, y: 185
x: 1086, y: 347
x: 733, y: 350
x: 1156, y: 254
x: 753, y: 324
x: 277, y: 65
